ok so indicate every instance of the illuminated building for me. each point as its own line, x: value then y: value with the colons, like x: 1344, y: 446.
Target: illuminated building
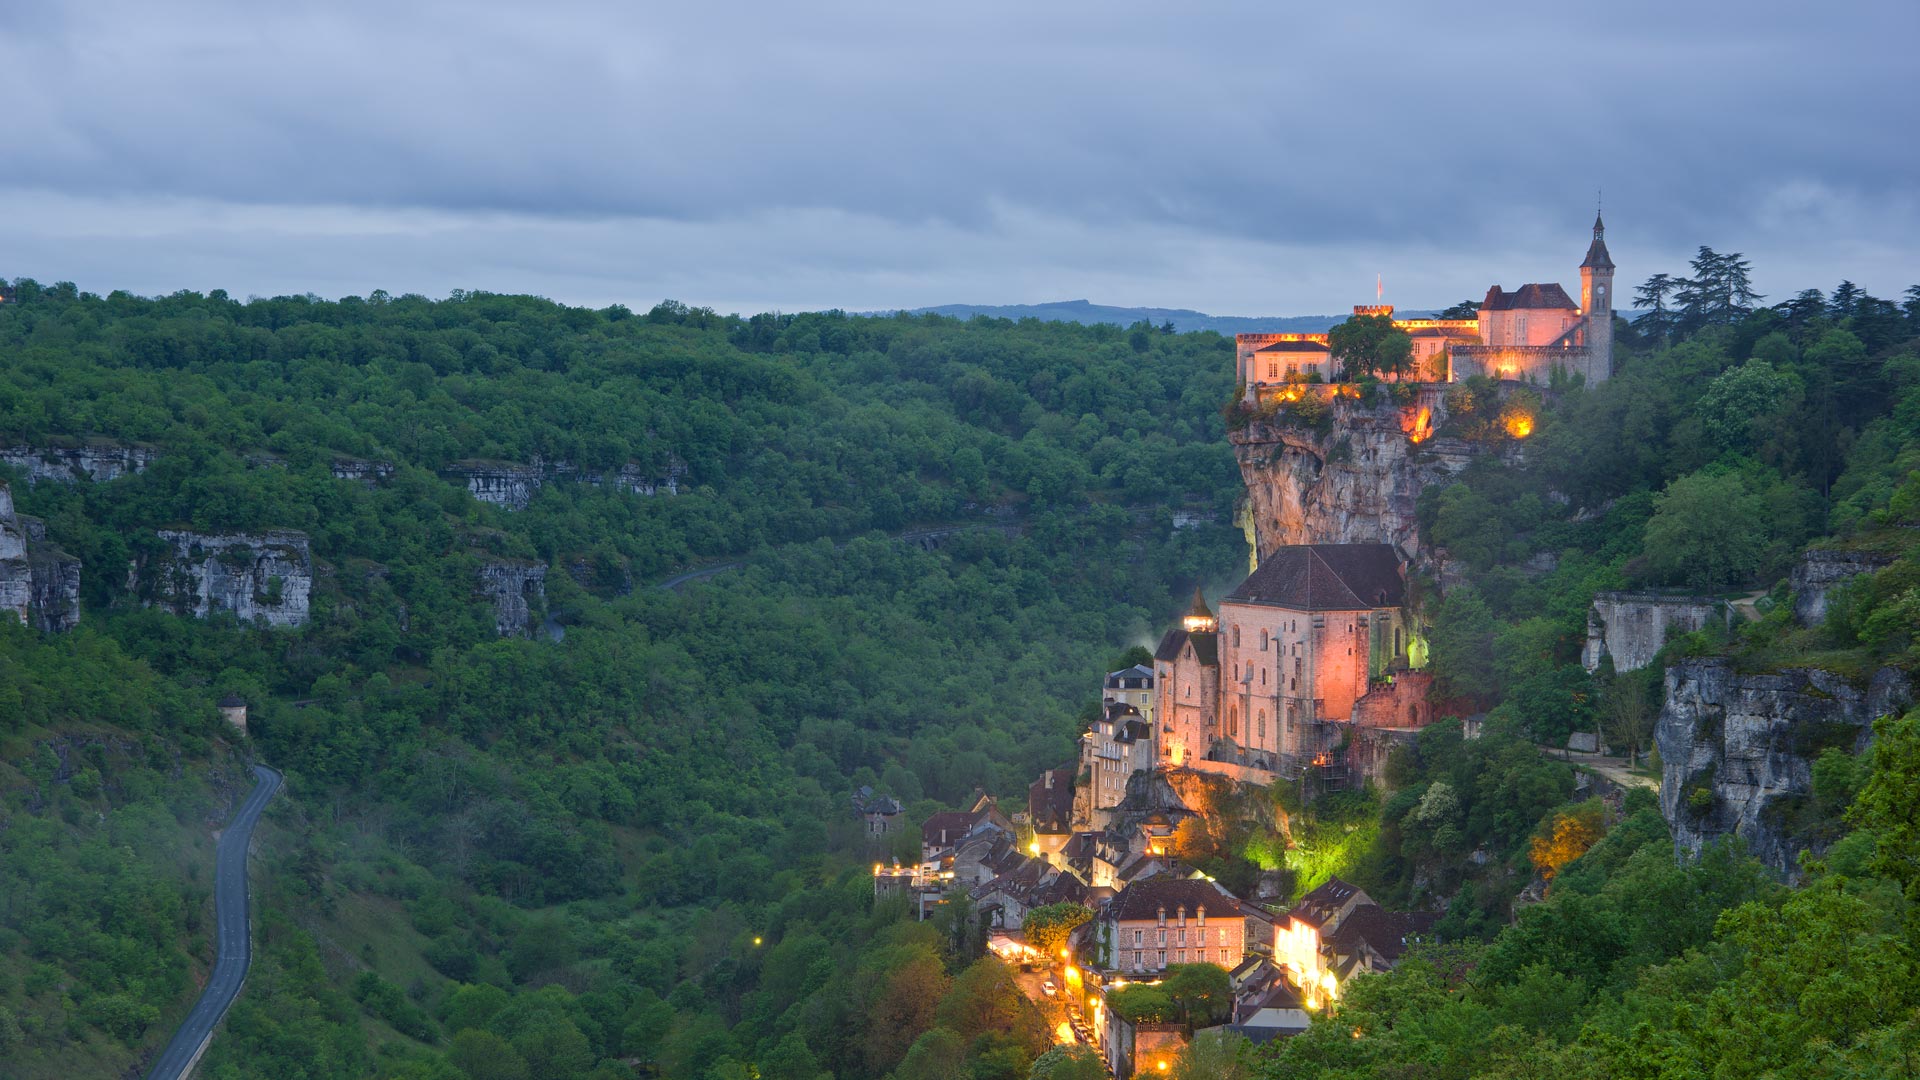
x: 1521, y: 335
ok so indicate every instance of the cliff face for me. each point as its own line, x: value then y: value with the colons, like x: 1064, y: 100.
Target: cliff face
x: 1733, y: 746
x: 1818, y: 571
x: 512, y: 486
x: 1631, y: 627
x: 518, y: 592
x: 1356, y: 482
x: 67, y: 465
x: 39, y: 583
x: 264, y: 578
x: 370, y: 473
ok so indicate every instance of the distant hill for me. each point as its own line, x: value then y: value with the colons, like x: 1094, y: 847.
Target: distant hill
x: 1085, y: 311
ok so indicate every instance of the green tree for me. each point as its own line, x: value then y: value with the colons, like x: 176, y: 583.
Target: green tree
x: 1371, y: 345
x: 483, y: 1055
x: 1706, y: 533
x: 1046, y: 928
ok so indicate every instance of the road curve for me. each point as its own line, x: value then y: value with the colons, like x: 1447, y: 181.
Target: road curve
x: 232, y: 935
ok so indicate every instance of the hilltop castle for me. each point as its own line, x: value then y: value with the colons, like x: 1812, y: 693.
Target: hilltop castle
x: 1524, y: 335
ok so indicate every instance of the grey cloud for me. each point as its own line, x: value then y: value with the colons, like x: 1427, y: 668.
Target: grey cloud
x: 1402, y: 129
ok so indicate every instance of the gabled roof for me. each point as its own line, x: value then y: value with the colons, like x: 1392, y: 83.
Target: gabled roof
x: 1384, y: 932
x: 1050, y: 801
x: 1144, y: 899
x: 1205, y: 647
x: 1325, y: 577
x: 1322, y: 904
x: 1528, y: 297
x: 1296, y: 346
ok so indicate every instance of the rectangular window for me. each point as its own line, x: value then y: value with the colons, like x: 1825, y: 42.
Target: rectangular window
x: 1136, y: 937
x: 1163, y: 958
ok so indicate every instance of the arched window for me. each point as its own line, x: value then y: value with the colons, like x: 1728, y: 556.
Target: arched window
x: 1263, y: 641
x: 1236, y: 635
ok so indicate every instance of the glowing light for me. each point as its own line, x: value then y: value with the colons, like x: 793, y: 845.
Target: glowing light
x: 1063, y: 1034
x: 1033, y: 848
x: 1418, y: 425
x: 1163, y: 1065
x: 876, y: 869
x: 1518, y: 424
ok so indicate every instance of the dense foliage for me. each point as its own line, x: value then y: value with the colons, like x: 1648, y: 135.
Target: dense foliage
x: 628, y: 840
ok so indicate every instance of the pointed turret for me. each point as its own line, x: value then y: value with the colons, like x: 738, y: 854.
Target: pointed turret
x: 1597, y: 257
x: 1199, y: 619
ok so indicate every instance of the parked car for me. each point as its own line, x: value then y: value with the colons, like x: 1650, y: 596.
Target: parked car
x: 1048, y: 988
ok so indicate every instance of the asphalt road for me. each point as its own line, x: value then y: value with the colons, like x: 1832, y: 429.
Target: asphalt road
x: 235, y: 942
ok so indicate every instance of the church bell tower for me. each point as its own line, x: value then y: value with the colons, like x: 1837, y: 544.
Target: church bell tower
x: 1596, y: 302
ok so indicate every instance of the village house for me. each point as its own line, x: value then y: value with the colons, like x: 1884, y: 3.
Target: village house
x: 1130, y: 686
x: 1118, y: 744
x: 1308, y: 654
x: 1166, y: 920
x: 881, y: 815
x: 1337, y: 931
x: 1524, y: 335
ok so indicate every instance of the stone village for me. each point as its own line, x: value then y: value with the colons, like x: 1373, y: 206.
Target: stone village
x: 1310, y: 671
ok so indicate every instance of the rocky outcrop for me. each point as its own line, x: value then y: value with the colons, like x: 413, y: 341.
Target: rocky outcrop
x: 1818, y: 571
x: 39, y: 583
x: 512, y: 486
x: 97, y: 462
x: 501, y: 483
x: 1632, y: 627
x: 518, y: 592
x: 1354, y: 478
x: 1738, y: 749
x: 370, y: 473
x: 263, y: 578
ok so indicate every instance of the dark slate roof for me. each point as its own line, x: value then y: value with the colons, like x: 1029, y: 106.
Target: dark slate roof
x: 1205, y: 646
x: 233, y: 701
x: 1529, y: 296
x: 1137, y: 671
x: 1144, y: 899
x: 955, y: 823
x: 1296, y: 346
x: 1318, y: 906
x: 1597, y: 257
x: 1385, y: 932
x: 1325, y: 577
x: 1050, y: 808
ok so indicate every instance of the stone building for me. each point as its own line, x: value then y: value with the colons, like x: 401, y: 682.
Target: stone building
x: 1311, y: 644
x: 1523, y: 335
x: 1118, y: 744
x: 1130, y: 686
x: 1163, y: 921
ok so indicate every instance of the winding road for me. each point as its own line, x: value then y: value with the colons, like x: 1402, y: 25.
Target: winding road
x: 233, y: 935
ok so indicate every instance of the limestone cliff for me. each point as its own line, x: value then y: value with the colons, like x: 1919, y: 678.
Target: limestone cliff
x: 1353, y: 479
x: 39, y: 583
x: 370, y: 473
x: 1632, y: 627
x: 264, y: 578
x: 1818, y: 571
x: 96, y: 462
x: 518, y: 592
x: 1737, y: 750
x: 512, y: 486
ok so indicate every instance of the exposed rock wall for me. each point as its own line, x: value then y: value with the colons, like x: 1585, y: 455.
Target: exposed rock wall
x: 264, y: 578
x: 370, y: 473
x: 1357, y: 482
x: 39, y: 583
x: 518, y: 592
x: 512, y: 486
x: 99, y: 463
x: 1732, y: 745
x: 1818, y: 571
x: 1632, y: 627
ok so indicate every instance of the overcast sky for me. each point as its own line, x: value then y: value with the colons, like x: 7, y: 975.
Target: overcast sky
x: 1237, y: 158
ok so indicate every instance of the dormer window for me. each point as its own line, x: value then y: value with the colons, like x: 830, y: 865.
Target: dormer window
x: 1203, y: 914
x: 1163, y: 916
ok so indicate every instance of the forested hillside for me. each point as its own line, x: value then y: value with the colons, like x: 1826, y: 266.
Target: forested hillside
x: 616, y: 838
x: 591, y: 833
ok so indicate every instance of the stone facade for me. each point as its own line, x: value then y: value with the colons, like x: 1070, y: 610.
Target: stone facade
x: 1632, y: 627
x: 1734, y: 745
x: 263, y: 578
x: 1819, y: 570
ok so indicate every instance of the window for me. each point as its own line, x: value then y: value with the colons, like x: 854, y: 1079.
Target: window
x: 1263, y: 641
x: 1203, y: 919
x: 1163, y: 958
x: 1262, y: 732
x: 1223, y: 935
x: 1136, y: 937
x: 1236, y: 635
